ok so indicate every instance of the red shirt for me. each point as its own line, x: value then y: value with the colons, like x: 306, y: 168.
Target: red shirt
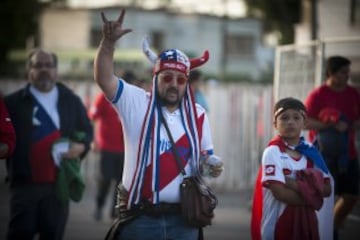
x: 347, y: 102
x: 7, y: 132
x: 108, y: 131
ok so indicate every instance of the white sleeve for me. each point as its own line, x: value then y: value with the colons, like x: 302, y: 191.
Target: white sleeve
x: 272, y: 165
x: 131, y: 103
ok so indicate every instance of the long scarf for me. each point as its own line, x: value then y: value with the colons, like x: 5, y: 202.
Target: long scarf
x: 149, y: 145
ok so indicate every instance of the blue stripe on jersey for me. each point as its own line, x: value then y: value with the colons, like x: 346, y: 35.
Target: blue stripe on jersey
x: 119, y: 91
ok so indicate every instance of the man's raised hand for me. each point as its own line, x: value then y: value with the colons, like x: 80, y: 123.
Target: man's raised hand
x: 113, y: 30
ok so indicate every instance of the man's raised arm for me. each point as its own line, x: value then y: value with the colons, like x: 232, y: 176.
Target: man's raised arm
x: 104, y: 59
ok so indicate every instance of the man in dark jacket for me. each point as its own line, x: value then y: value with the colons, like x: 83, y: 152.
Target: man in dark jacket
x: 42, y: 112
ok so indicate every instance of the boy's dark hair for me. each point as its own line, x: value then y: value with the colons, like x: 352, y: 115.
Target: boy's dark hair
x: 288, y: 103
x: 334, y: 64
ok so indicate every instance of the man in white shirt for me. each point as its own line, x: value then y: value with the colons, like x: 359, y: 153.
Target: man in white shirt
x: 151, y: 175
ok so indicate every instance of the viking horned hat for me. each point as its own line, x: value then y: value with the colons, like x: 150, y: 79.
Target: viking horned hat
x: 173, y: 59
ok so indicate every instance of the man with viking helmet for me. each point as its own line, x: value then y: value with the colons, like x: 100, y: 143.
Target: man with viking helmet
x: 149, y: 194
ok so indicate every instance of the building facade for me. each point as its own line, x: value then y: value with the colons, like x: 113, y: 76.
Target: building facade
x: 235, y: 45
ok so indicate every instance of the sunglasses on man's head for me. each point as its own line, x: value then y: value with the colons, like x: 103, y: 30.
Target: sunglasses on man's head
x: 168, y: 78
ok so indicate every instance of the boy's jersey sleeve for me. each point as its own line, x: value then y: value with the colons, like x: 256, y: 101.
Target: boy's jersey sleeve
x: 272, y: 167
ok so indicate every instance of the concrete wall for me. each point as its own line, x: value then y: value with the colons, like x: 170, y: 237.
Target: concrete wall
x: 63, y: 29
x: 70, y: 29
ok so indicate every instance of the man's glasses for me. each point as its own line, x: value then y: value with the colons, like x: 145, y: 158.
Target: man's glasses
x: 168, y: 78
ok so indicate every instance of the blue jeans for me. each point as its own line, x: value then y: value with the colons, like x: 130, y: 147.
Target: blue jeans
x: 165, y: 227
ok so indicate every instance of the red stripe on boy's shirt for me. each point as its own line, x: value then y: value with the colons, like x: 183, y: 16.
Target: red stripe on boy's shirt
x: 257, y: 207
x: 43, y: 168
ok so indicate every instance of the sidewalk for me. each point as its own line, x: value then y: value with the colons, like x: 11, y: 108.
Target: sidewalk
x: 232, y: 215
x: 231, y: 220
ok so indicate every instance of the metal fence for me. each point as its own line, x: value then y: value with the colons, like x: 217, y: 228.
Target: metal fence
x: 299, y: 68
x: 240, y: 118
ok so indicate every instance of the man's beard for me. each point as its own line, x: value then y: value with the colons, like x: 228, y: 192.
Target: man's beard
x: 44, y: 83
x: 168, y: 103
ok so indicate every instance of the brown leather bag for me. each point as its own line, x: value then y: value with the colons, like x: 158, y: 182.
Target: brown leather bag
x: 196, y: 198
x: 197, y: 202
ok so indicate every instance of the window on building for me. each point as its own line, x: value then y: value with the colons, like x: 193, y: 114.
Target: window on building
x: 157, y: 40
x: 240, y: 45
x: 354, y: 12
x: 95, y: 37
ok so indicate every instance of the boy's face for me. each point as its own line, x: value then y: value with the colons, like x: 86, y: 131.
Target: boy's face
x: 289, y: 124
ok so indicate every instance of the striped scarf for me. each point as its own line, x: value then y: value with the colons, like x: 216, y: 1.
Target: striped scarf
x: 149, y: 145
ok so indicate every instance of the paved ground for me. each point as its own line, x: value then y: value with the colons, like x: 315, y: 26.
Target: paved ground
x: 228, y: 224
x: 232, y: 220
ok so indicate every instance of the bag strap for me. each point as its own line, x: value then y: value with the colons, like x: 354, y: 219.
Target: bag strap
x: 173, y: 148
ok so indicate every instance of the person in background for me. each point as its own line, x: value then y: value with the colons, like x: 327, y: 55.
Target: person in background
x: 131, y: 78
x: 334, y: 117
x: 149, y: 195
x: 7, y: 132
x: 195, y: 81
x: 110, y: 143
x: 292, y: 182
x: 42, y: 112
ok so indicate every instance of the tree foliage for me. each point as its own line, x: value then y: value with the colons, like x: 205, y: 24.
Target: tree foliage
x: 18, y: 23
x: 278, y: 15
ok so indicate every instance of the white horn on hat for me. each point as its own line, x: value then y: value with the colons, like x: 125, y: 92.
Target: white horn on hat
x: 150, y: 54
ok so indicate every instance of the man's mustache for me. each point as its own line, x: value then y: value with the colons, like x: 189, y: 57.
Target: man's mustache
x: 44, y: 76
x: 173, y: 90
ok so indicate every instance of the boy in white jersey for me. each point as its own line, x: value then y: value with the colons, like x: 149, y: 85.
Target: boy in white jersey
x: 151, y: 179
x: 292, y: 181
